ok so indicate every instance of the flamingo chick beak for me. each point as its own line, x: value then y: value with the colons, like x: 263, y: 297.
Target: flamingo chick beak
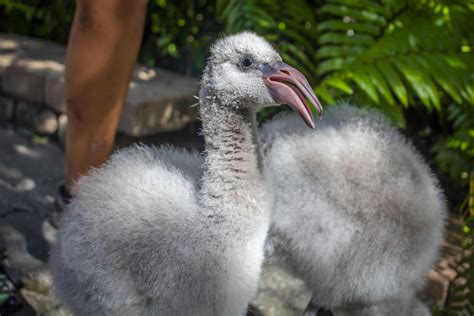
x: 289, y: 86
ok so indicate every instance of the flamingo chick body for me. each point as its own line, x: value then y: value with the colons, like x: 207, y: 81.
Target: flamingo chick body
x: 145, y: 236
x: 356, y: 213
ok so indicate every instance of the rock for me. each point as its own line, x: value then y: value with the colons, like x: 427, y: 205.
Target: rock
x: 25, y: 114
x: 45, y: 122
x: 6, y: 109
x: 158, y: 100
x: 25, y: 185
x: 25, y: 65
x: 54, y: 93
x: 281, y: 294
x: 62, y: 125
x: 24, y: 79
x: 8, y: 50
x: 27, y: 78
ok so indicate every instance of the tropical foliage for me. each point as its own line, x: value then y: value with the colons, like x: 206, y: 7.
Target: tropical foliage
x: 461, y: 299
x: 178, y: 35
x: 45, y: 19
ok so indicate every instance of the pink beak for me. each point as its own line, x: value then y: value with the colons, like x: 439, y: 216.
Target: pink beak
x: 289, y: 86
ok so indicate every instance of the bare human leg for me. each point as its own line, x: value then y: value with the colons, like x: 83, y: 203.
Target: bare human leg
x: 103, y: 46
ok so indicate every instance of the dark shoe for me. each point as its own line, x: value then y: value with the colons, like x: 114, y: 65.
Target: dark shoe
x: 51, y: 224
x: 63, y: 197
x: 252, y: 310
x: 316, y: 310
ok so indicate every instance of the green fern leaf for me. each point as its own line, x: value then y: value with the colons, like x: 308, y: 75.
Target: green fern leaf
x: 379, y: 83
x: 339, y: 51
x: 394, y: 80
x: 333, y: 64
x: 338, y: 25
x: 323, y: 92
x: 338, y: 38
x: 361, y: 15
x: 363, y: 80
x: 442, y: 75
x: 339, y: 84
x: 417, y: 79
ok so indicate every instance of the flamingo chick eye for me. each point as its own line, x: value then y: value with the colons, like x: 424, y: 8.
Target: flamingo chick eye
x: 247, y: 62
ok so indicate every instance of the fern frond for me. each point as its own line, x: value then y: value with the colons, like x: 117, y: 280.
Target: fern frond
x: 414, y: 54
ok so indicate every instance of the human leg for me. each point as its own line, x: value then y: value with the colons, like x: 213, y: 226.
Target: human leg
x: 103, y: 46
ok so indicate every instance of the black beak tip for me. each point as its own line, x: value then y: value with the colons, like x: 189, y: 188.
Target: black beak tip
x: 319, y: 108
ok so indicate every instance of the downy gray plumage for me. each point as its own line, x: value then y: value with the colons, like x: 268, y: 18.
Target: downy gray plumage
x: 145, y: 236
x: 356, y: 212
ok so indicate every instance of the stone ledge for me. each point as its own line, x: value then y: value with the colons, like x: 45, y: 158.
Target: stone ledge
x: 32, y: 70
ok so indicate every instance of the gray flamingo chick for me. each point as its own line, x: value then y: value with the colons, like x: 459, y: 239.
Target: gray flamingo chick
x: 144, y: 236
x: 356, y: 212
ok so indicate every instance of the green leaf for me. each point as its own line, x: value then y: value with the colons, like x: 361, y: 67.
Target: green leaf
x: 322, y: 92
x: 339, y: 84
x: 302, y: 57
x: 362, y: 15
x: 4, y: 297
x: 364, y: 82
x: 338, y: 25
x: 338, y: 38
x: 367, y: 5
x: 393, y: 80
x: 298, y: 38
x: 433, y: 92
x: 339, y: 51
x: 420, y: 81
x: 442, y: 74
x: 379, y: 82
x: 333, y: 64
